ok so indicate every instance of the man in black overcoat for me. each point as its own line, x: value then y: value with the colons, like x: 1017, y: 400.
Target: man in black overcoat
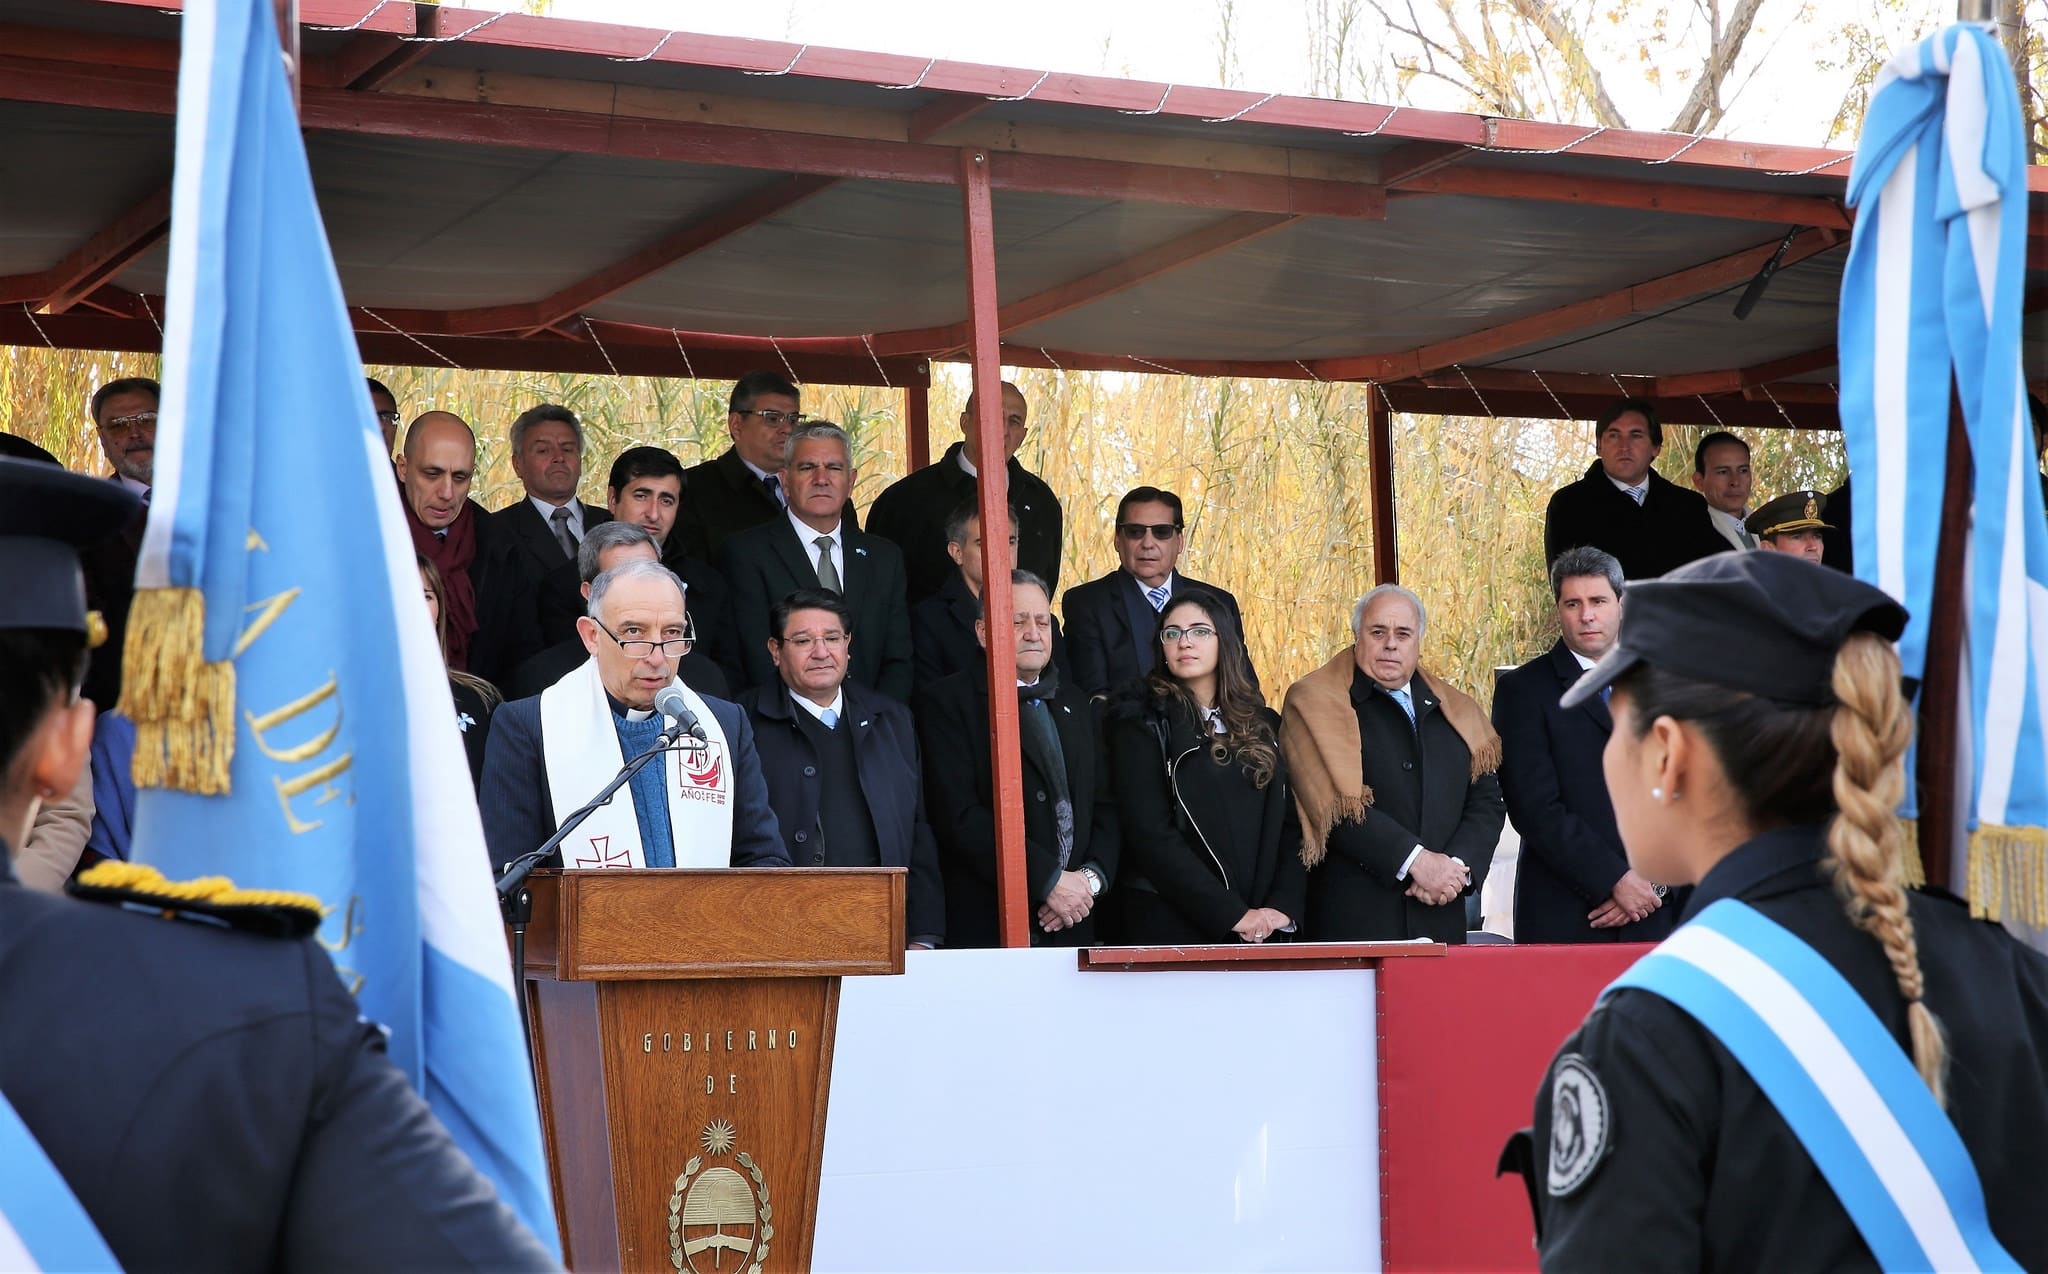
x: 1572, y: 881
x: 841, y: 761
x: 942, y: 640
x: 1625, y: 508
x: 913, y: 512
x: 1071, y: 836
x: 1113, y: 621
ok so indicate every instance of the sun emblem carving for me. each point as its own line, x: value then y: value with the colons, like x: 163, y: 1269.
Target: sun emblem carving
x: 718, y: 1137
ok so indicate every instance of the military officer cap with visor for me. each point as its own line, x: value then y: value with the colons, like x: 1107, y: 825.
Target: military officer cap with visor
x: 48, y: 517
x: 1793, y: 511
x: 1766, y: 624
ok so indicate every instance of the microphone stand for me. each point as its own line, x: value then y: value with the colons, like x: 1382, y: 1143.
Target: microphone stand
x: 515, y: 901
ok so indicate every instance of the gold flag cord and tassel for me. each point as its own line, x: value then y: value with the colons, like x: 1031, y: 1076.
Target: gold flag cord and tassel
x: 2009, y: 874
x: 183, y: 707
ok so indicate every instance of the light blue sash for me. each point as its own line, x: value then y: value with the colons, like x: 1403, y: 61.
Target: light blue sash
x: 42, y: 1227
x: 1839, y: 1079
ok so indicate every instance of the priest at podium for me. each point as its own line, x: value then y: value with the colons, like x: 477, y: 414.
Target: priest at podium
x: 700, y: 804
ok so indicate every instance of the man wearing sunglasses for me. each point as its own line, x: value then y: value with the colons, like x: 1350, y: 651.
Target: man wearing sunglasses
x: 742, y: 488
x: 1112, y: 622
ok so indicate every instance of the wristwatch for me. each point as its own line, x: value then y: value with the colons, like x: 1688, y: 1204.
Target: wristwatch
x: 1662, y: 890
x: 1094, y: 882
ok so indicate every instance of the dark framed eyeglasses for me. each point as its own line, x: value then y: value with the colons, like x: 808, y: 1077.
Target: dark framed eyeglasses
x: 640, y: 648
x: 388, y: 417
x: 128, y: 424
x: 1135, y: 531
x: 773, y: 417
x: 1193, y: 632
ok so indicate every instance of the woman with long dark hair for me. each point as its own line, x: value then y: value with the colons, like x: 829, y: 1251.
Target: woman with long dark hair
x: 475, y: 698
x: 1819, y: 1070
x: 1209, y: 829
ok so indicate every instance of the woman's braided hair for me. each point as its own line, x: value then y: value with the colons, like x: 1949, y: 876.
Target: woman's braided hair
x: 1841, y: 764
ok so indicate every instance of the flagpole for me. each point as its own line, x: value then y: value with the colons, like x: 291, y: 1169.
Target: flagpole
x: 288, y: 37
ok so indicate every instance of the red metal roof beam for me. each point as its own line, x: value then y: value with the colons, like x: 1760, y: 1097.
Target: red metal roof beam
x: 1620, y: 192
x: 98, y: 259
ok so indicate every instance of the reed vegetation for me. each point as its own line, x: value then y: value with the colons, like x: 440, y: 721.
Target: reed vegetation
x: 1273, y: 473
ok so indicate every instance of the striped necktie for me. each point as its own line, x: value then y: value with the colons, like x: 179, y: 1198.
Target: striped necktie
x: 1157, y: 596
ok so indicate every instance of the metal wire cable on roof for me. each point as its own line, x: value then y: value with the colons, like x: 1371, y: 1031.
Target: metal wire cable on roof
x: 648, y: 56
x: 794, y: 379
x: 1775, y: 403
x: 898, y: 88
x: 1574, y: 143
x: 1652, y: 163
x: 1468, y: 384
x: 31, y: 314
x: 358, y: 23
x: 685, y: 353
x: 1050, y: 359
x: 1161, y: 366
x: 1310, y: 370
x: 1235, y: 116
x: 1553, y: 394
x: 1839, y: 159
x: 1155, y: 110
x: 801, y: 50
x: 1710, y: 411
x: 1043, y: 77
x: 409, y: 336
x: 1376, y: 129
x: 150, y: 310
x: 878, y: 361
x: 598, y: 341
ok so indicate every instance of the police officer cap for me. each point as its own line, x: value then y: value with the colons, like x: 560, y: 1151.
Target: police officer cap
x: 1767, y: 624
x: 47, y: 515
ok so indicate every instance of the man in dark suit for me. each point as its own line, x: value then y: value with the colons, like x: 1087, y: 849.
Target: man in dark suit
x: 1071, y: 835
x: 812, y: 546
x: 743, y: 486
x: 124, y: 413
x: 611, y: 544
x: 635, y: 635
x: 240, y: 1114
x: 1113, y: 622
x: 488, y: 589
x: 1572, y: 881
x: 942, y: 639
x: 645, y: 487
x: 914, y: 511
x: 546, y: 525
x: 1624, y: 507
x: 1393, y: 773
x: 841, y: 761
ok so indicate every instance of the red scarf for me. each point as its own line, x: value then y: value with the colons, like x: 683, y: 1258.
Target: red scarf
x: 451, y: 555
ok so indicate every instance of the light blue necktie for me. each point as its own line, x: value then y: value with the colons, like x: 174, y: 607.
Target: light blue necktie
x: 1407, y: 705
x: 1637, y: 493
x: 830, y: 718
x: 1157, y: 596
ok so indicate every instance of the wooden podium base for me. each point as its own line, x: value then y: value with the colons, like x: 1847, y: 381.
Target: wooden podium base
x: 682, y: 1028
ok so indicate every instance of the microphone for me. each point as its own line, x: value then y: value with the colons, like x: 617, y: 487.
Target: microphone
x: 1755, y: 291
x: 671, y: 705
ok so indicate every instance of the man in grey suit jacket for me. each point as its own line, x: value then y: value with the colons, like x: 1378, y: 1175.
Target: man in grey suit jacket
x: 816, y: 546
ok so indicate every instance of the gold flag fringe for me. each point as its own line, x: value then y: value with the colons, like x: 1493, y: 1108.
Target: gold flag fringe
x: 1914, y: 867
x: 183, y: 707
x: 2009, y: 874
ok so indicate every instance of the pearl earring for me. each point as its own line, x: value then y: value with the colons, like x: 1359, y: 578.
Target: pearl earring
x: 1656, y: 793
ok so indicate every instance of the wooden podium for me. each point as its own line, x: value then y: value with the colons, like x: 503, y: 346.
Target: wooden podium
x: 682, y: 1034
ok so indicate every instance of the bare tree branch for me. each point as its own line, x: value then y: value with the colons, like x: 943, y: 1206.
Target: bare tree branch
x: 1703, y: 108
x: 1584, y: 75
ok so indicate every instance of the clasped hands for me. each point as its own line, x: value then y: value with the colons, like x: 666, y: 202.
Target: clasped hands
x: 1067, y: 905
x: 1436, y: 878
x: 1633, y: 898
x: 1260, y: 923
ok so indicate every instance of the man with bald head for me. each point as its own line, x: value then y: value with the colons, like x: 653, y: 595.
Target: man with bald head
x: 703, y: 805
x: 915, y: 511
x: 489, y: 632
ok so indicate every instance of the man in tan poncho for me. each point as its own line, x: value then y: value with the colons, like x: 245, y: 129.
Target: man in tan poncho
x: 1393, y: 773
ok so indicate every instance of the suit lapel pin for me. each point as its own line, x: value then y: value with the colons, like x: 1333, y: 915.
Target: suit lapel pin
x: 860, y: 552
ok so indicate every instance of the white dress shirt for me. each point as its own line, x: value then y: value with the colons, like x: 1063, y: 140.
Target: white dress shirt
x: 837, y: 707
x: 547, y: 514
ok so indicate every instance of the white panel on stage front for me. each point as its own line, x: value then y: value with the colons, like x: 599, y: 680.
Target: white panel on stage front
x: 1003, y: 1111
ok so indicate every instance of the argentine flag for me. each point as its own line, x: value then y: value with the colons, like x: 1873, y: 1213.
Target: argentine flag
x: 1933, y: 288
x: 295, y: 729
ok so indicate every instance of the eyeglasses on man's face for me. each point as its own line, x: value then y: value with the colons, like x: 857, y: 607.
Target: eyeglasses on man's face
x: 1193, y: 632
x: 802, y: 643
x: 641, y: 648
x: 130, y: 423
x: 387, y: 417
x: 778, y: 418
x: 1135, y: 531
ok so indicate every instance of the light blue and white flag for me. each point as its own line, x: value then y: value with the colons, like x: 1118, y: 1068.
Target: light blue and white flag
x: 1933, y: 289
x: 42, y: 1225
x: 295, y: 727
